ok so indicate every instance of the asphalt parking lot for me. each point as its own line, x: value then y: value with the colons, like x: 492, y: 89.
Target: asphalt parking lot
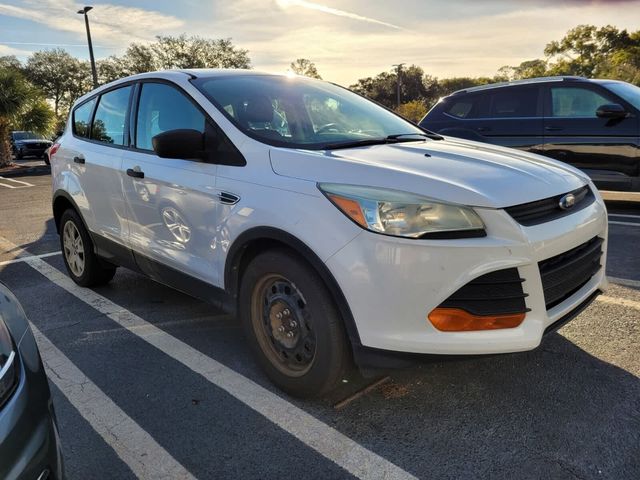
x: 148, y: 382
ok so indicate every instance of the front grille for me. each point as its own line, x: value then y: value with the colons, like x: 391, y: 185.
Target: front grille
x: 496, y: 293
x: 565, y: 274
x: 541, y: 211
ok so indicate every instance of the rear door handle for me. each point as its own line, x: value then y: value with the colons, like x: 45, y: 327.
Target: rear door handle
x: 135, y: 172
x: 552, y: 128
x: 78, y: 159
x: 483, y: 129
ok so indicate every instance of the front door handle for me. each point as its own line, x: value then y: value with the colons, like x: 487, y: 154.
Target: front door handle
x: 135, y: 172
x: 78, y: 159
x: 483, y: 129
x: 552, y: 128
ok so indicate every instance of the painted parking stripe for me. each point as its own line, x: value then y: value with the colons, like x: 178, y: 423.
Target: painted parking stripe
x: 20, y: 183
x: 633, y: 224
x: 624, y: 215
x: 624, y: 281
x: 622, y: 302
x: 144, y: 456
x: 333, y: 445
x: 22, y: 259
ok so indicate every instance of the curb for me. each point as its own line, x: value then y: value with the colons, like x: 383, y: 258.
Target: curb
x: 25, y: 172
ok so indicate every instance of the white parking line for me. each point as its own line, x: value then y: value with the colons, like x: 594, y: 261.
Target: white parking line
x: 624, y: 215
x: 23, y: 259
x: 22, y: 184
x: 144, y: 456
x: 624, y: 281
x: 624, y: 223
x: 623, y: 302
x: 324, y: 439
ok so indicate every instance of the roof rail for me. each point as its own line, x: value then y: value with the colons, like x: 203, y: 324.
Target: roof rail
x: 518, y: 82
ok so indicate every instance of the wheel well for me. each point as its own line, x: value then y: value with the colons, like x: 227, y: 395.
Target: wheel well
x: 252, y: 243
x: 60, y: 205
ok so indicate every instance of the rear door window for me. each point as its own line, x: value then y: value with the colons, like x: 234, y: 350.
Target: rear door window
x: 82, y: 118
x: 109, y: 122
x: 513, y: 102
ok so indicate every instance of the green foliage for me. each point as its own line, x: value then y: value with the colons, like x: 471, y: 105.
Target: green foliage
x: 60, y: 76
x: 413, y: 110
x: 22, y: 106
x: 304, y: 66
x: 173, y: 52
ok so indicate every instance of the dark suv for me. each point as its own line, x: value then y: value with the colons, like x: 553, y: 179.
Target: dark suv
x: 28, y: 144
x: 591, y: 124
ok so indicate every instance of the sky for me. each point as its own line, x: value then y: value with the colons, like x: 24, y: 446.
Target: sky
x: 347, y: 39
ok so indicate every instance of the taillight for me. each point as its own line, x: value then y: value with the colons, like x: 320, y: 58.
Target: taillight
x: 54, y: 148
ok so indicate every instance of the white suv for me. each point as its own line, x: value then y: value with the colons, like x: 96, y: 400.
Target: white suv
x: 337, y: 229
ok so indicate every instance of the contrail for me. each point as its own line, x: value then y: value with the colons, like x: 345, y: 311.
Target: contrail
x: 54, y: 44
x: 333, y: 11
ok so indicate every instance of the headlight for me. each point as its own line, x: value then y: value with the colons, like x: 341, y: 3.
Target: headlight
x: 8, y: 364
x: 401, y: 214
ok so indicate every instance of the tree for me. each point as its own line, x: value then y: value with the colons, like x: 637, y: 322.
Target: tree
x: 22, y: 106
x: 527, y: 69
x: 413, y: 110
x: 10, y: 61
x: 60, y: 76
x: 304, y: 66
x: 174, y: 52
x: 414, y: 85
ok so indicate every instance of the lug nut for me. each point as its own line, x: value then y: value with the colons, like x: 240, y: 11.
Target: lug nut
x: 281, y: 329
x: 290, y: 334
x: 286, y: 311
x: 279, y: 316
x: 293, y: 324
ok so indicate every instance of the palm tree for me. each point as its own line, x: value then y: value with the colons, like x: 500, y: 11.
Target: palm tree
x: 22, y: 106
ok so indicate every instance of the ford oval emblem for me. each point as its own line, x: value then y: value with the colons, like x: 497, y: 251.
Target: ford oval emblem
x: 568, y: 201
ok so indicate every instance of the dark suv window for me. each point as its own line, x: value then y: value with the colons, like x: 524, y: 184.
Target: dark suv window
x: 466, y: 106
x: 575, y: 102
x: 110, y: 118
x: 513, y: 102
x: 164, y: 108
x: 82, y: 118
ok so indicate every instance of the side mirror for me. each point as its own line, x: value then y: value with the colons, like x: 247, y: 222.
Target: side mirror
x: 612, y: 110
x: 187, y: 144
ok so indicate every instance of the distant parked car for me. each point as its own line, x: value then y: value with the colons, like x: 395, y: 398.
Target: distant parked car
x: 29, y: 445
x: 590, y: 124
x: 29, y: 144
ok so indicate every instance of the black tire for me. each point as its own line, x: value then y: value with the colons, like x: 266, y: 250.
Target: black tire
x: 320, y: 355
x: 45, y: 157
x: 94, y: 272
x: 19, y: 155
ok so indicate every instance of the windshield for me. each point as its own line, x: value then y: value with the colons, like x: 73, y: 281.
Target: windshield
x: 629, y: 92
x: 26, y: 136
x: 297, y: 112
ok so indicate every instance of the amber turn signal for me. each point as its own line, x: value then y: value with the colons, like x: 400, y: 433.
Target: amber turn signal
x: 457, y: 320
x: 351, y: 209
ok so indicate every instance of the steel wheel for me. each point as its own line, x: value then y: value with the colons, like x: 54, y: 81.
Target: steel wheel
x: 73, y: 248
x: 282, y: 325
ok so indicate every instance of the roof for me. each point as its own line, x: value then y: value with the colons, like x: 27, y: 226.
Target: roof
x: 526, y: 81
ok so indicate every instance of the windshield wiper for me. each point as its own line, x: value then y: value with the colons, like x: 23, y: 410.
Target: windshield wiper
x: 395, y: 138
x: 360, y: 143
x: 433, y: 136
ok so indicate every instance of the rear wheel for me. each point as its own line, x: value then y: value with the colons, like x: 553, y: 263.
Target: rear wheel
x: 292, y: 324
x: 83, y: 265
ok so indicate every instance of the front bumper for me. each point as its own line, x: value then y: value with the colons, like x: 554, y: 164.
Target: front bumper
x: 29, y: 442
x: 392, y: 284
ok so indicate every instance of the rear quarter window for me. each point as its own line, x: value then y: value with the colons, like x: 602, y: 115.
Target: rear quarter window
x: 465, y: 107
x: 82, y: 119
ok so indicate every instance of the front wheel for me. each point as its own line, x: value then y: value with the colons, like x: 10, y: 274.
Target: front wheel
x: 292, y: 324
x: 83, y: 265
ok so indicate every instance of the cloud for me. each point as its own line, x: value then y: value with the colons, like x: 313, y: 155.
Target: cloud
x: 111, y: 24
x: 333, y: 11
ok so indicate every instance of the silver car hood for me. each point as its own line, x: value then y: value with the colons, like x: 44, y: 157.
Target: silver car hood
x: 451, y: 170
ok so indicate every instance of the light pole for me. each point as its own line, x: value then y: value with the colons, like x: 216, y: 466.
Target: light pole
x: 94, y: 74
x: 398, y: 81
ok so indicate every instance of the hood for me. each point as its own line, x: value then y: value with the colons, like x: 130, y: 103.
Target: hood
x: 451, y: 170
